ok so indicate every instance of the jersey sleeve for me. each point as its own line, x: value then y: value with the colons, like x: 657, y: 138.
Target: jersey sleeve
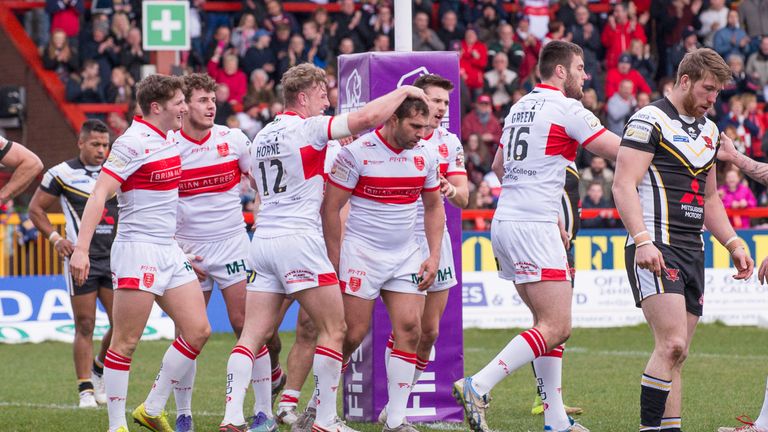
x: 345, y: 170
x: 456, y: 157
x: 318, y: 130
x: 5, y: 148
x: 330, y: 155
x: 124, y: 159
x: 583, y: 126
x: 243, y: 150
x: 432, y: 181
x: 51, y: 183
x: 641, y: 133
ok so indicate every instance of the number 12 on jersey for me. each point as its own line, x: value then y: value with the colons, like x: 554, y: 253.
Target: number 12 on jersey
x: 517, y: 148
x: 278, y: 178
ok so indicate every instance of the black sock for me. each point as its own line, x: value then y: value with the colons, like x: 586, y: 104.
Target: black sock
x: 98, y: 367
x: 83, y: 385
x: 653, y: 398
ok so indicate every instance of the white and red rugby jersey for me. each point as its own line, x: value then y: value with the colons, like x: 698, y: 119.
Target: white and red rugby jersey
x: 449, y: 152
x: 148, y: 166
x: 541, y: 135
x: 385, y: 183
x: 209, y: 189
x: 287, y: 158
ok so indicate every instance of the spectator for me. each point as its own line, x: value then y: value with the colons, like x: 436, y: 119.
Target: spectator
x: 249, y: 118
x: 120, y: 88
x: 297, y: 54
x: 622, y: 72
x: 422, y: 6
x: 100, y: 47
x: 487, y: 24
x: 222, y: 41
x: 451, y: 32
x: 620, y: 106
x: 223, y: 107
x: 37, y: 24
x: 506, y: 44
x: 117, y: 124
x: 566, y: 14
x: 351, y: 23
x: 754, y: 18
x: 739, y: 84
x: 482, y: 198
x: 121, y: 25
x: 86, y: 87
x: 262, y: 89
x: 280, y: 43
x: 747, y: 131
x: 381, y: 43
x: 500, y: 82
x: 424, y: 38
x: 316, y: 43
x: 276, y: 17
x: 643, y: 99
x: 617, y: 33
x: 259, y: 55
x: 59, y: 56
x: 585, y: 34
x: 476, y: 155
x: 244, y: 33
x: 65, y: 15
x: 737, y: 195
x: 712, y: 20
x: 731, y: 39
x: 595, y: 199
x: 556, y: 32
x: 671, y: 18
x: 333, y: 101
x: 482, y: 121
x: 472, y: 61
x: 591, y: 102
x: 132, y: 54
x: 641, y: 60
x: 225, y: 71
x: 383, y: 23
x: 688, y: 43
x: 320, y: 16
x: 597, y: 172
x: 531, y: 47
x: 757, y: 67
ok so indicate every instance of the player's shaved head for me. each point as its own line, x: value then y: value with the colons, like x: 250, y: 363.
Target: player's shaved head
x: 198, y: 81
x: 301, y: 78
x: 557, y: 53
x: 157, y: 88
x: 703, y: 62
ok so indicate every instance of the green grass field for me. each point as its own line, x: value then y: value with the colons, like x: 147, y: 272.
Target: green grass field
x: 724, y: 377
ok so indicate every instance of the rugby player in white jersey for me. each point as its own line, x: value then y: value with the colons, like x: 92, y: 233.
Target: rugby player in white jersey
x: 447, y: 148
x: 210, y: 228
x: 287, y: 253
x: 665, y: 190
x: 541, y: 136
x: 382, y: 174
x: 144, y: 168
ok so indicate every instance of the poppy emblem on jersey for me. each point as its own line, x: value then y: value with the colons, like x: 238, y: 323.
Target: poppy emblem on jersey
x: 443, y: 150
x: 223, y: 149
x: 419, y: 162
x: 355, y: 283
x: 708, y: 143
x: 672, y: 274
x: 148, y: 280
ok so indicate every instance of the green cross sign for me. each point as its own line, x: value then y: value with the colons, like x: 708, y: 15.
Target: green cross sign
x: 165, y: 25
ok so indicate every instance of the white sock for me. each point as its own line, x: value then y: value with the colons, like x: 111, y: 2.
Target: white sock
x: 421, y: 365
x: 388, y: 349
x: 116, y: 371
x: 239, y: 367
x: 549, y: 375
x: 399, y: 378
x: 520, y: 351
x: 177, y: 361
x: 762, y: 420
x: 182, y: 392
x: 289, y: 398
x: 261, y: 381
x: 326, y: 366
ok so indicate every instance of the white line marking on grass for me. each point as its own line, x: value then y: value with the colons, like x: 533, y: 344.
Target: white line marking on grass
x: 19, y: 404
x: 645, y: 354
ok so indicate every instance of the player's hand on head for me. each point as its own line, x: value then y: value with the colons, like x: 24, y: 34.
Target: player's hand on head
x: 64, y: 247
x: 744, y: 264
x: 79, y: 266
x: 415, y: 92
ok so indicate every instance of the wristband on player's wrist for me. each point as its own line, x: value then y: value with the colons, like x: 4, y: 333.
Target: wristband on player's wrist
x: 643, y: 243
x: 54, y: 236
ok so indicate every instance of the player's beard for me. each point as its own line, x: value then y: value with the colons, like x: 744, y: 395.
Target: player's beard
x: 572, y: 88
x: 689, y: 103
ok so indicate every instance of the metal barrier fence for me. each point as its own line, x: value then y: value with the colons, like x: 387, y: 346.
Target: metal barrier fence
x: 30, y: 257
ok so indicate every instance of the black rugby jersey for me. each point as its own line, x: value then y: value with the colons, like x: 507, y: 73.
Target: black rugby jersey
x: 73, y: 183
x: 672, y: 191
x: 571, y: 201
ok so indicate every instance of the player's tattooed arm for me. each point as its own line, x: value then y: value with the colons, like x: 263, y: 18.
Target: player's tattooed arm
x: 755, y: 170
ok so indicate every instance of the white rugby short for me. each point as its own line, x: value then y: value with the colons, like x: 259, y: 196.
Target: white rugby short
x: 446, y: 273
x: 289, y: 264
x: 529, y: 251
x: 149, y: 267
x: 364, y: 271
x: 224, y: 261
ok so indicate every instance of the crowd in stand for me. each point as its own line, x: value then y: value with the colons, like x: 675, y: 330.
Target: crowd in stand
x: 631, y: 54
